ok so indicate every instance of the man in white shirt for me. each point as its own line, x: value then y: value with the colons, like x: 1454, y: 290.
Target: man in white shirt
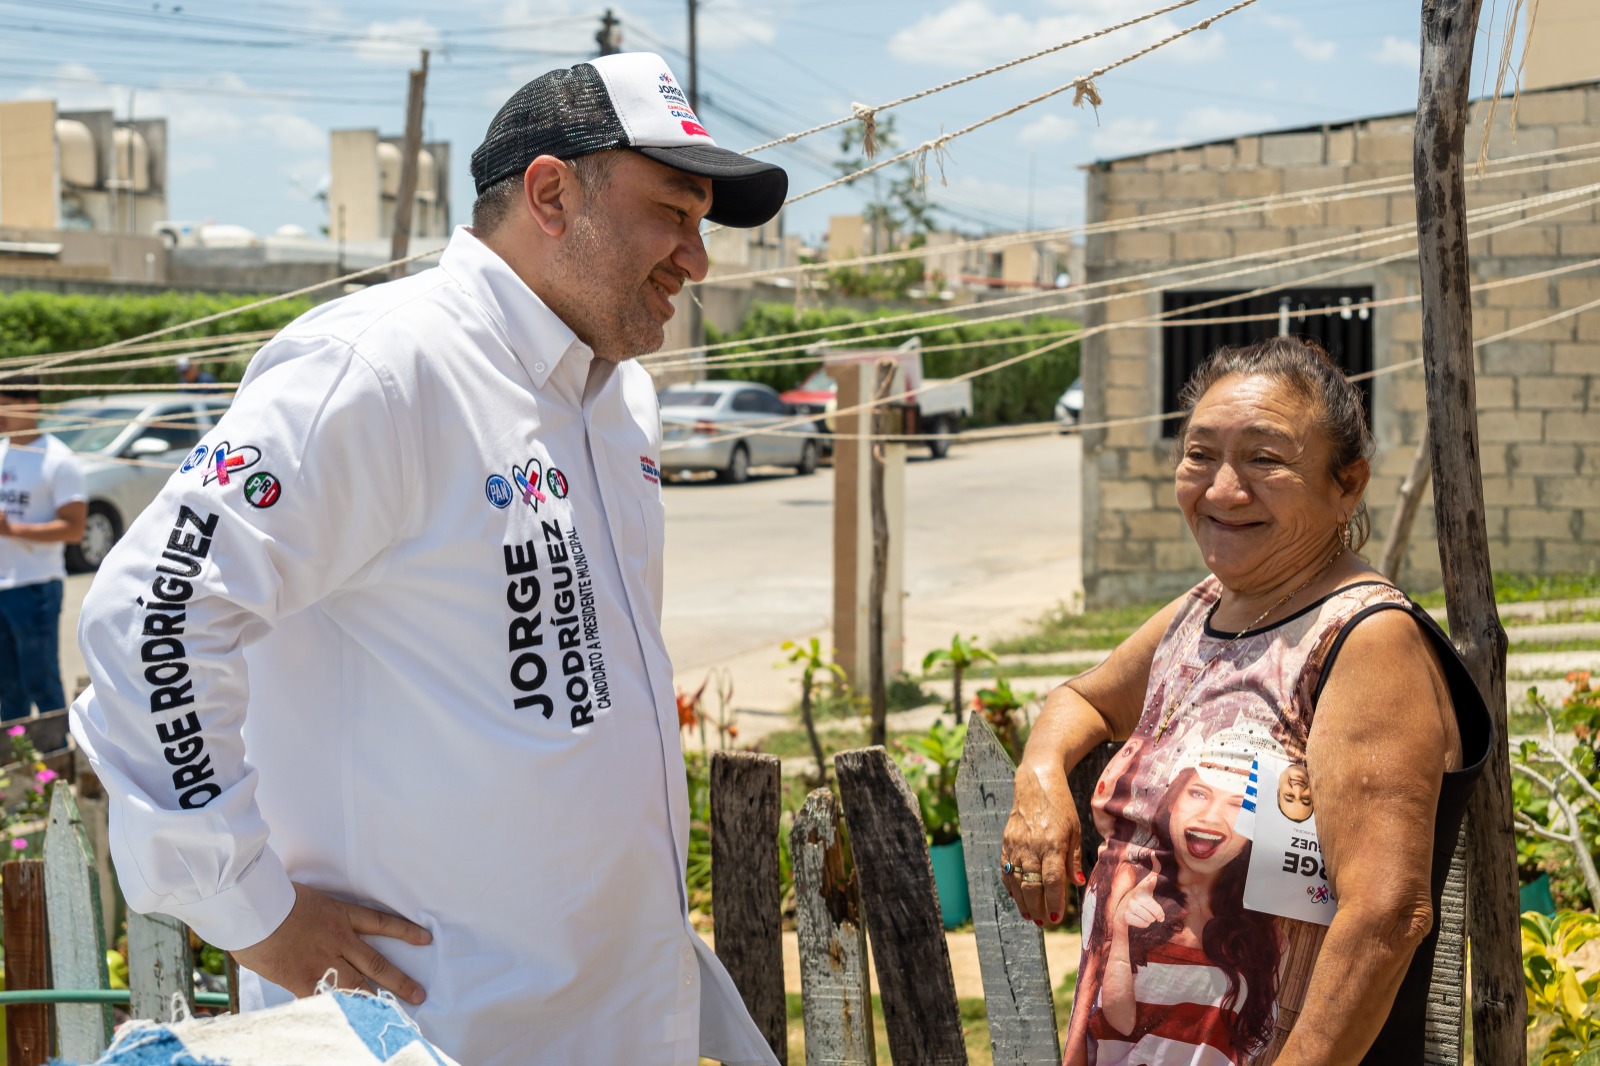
x: 42, y: 507
x: 379, y: 681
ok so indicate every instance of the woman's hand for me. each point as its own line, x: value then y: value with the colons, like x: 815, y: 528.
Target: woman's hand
x: 1138, y: 909
x: 1042, y: 837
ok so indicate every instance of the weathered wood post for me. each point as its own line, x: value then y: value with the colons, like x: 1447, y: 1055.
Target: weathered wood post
x: 744, y: 886
x: 159, y: 966
x: 901, y: 907
x: 28, y: 1035
x: 1016, y: 978
x: 834, y: 984
x: 1449, y: 30
x: 77, y: 940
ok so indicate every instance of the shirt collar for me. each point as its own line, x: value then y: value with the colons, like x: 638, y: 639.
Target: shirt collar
x: 533, y: 332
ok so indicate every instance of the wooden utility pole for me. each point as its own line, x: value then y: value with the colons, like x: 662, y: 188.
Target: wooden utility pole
x: 405, y: 199
x: 610, y: 36
x: 1449, y: 30
x: 877, y: 679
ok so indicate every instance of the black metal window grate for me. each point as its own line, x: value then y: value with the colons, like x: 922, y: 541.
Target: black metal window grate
x: 1346, y: 333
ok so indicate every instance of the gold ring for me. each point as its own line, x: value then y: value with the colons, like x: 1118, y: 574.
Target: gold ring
x: 1028, y: 878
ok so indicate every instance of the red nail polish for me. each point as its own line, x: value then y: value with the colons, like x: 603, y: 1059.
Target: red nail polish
x: 1054, y: 917
x: 1039, y: 924
x: 1080, y: 878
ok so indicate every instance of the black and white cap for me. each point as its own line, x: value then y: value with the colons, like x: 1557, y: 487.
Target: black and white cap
x: 630, y: 101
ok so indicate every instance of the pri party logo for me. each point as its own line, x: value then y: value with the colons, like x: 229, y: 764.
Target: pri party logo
x: 262, y: 489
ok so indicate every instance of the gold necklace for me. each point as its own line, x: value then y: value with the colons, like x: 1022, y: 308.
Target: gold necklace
x: 1178, y: 703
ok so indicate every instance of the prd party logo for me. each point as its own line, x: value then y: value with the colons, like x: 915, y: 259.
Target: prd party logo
x: 227, y: 460
x: 527, y: 480
x: 262, y: 489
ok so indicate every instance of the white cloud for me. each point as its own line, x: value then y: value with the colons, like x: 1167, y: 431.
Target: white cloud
x: 731, y: 27
x: 1307, y: 45
x: 293, y: 133
x: 971, y: 32
x: 398, y: 41
x: 1126, y: 136
x: 1049, y: 129
x: 1398, y: 53
x: 1212, y: 123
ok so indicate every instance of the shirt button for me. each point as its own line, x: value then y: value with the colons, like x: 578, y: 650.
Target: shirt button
x: 538, y: 368
x: 687, y: 980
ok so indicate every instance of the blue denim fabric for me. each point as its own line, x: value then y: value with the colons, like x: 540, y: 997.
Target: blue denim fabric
x: 30, y: 660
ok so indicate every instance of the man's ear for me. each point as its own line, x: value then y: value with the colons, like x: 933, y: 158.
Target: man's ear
x: 551, y: 193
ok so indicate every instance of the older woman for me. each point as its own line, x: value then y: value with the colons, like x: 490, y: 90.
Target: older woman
x: 1294, y: 669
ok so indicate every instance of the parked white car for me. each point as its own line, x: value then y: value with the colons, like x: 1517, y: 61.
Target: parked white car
x: 1069, y: 409
x: 695, y: 417
x: 156, y: 430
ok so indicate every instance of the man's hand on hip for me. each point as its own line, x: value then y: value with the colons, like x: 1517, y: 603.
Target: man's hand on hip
x: 322, y: 934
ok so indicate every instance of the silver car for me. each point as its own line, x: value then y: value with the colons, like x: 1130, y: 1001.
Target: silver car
x: 694, y: 417
x: 155, y: 429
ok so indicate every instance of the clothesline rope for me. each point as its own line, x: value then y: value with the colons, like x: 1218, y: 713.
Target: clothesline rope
x: 867, y: 113
x: 1095, y: 330
x: 1084, y: 90
x: 1379, y: 186
x: 1356, y: 243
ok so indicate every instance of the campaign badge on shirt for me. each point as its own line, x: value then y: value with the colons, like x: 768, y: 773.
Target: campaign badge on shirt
x: 1287, y: 875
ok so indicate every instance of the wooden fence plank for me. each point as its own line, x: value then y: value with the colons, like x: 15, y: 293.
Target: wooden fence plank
x: 834, y: 985
x: 27, y: 961
x: 77, y: 939
x: 901, y: 908
x: 1446, y: 1016
x: 745, y: 791
x: 159, y: 966
x: 1016, y: 978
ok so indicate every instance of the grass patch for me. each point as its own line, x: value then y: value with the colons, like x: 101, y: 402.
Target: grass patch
x: 793, y: 743
x: 1522, y: 588
x: 989, y: 671
x: 1543, y: 675
x: 1063, y: 629
x: 1576, y: 644
x: 974, y: 1024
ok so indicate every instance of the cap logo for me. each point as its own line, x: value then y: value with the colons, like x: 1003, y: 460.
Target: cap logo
x: 694, y: 129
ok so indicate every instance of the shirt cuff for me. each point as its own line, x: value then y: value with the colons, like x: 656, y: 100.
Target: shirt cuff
x: 247, y: 913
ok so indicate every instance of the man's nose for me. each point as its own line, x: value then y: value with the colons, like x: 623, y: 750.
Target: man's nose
x: 691, y: 258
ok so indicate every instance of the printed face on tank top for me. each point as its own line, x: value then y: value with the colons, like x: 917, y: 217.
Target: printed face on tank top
x: 1176, y: 969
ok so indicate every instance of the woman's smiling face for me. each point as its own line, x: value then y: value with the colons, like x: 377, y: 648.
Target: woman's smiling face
x: 1202, y: 827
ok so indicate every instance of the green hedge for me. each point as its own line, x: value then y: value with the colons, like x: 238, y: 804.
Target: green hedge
x: 44, y: 323
x: 1026, y: 392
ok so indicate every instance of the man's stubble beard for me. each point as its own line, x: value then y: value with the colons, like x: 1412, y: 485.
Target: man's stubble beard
x: 585, y: 259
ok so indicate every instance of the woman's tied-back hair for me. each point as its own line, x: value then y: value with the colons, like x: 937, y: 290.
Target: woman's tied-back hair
x: 1305, y: 368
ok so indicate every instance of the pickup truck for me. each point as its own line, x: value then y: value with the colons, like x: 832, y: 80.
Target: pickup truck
x: 938, y: 408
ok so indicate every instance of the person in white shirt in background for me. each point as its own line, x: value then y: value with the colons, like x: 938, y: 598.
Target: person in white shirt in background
x: 42, y: 507
x: 378, y: 679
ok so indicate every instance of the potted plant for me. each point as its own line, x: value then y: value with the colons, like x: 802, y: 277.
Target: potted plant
x: 930, y: 769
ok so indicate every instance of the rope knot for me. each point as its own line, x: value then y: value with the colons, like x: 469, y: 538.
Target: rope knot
x: 1084, y: 88
x: 940, y: 154
x: 869, y: 127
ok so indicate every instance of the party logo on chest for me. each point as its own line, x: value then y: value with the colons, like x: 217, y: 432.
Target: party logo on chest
x: 531, y: 483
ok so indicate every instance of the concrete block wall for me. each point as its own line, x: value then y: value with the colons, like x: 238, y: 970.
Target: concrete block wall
x: 1538, y: 392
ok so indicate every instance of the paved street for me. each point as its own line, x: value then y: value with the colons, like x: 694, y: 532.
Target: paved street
x: 992, y: 541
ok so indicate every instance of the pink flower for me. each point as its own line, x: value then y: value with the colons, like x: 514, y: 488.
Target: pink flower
x: 16, y: 731
x: 20, y: 843
x: 44, y: 777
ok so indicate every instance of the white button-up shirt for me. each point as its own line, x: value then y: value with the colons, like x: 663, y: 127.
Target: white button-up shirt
x: 393, y: 631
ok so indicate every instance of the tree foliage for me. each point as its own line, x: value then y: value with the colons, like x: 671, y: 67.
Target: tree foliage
x: 1026, y: 392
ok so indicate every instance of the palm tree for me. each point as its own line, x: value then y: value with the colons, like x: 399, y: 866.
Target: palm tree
x: 962, y: 655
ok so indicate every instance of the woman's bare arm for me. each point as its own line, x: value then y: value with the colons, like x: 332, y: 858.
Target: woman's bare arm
x: 1377, y: 756
x: 1101, y: 704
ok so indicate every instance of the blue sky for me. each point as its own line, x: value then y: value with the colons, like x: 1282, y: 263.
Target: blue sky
x: 251, y: 90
